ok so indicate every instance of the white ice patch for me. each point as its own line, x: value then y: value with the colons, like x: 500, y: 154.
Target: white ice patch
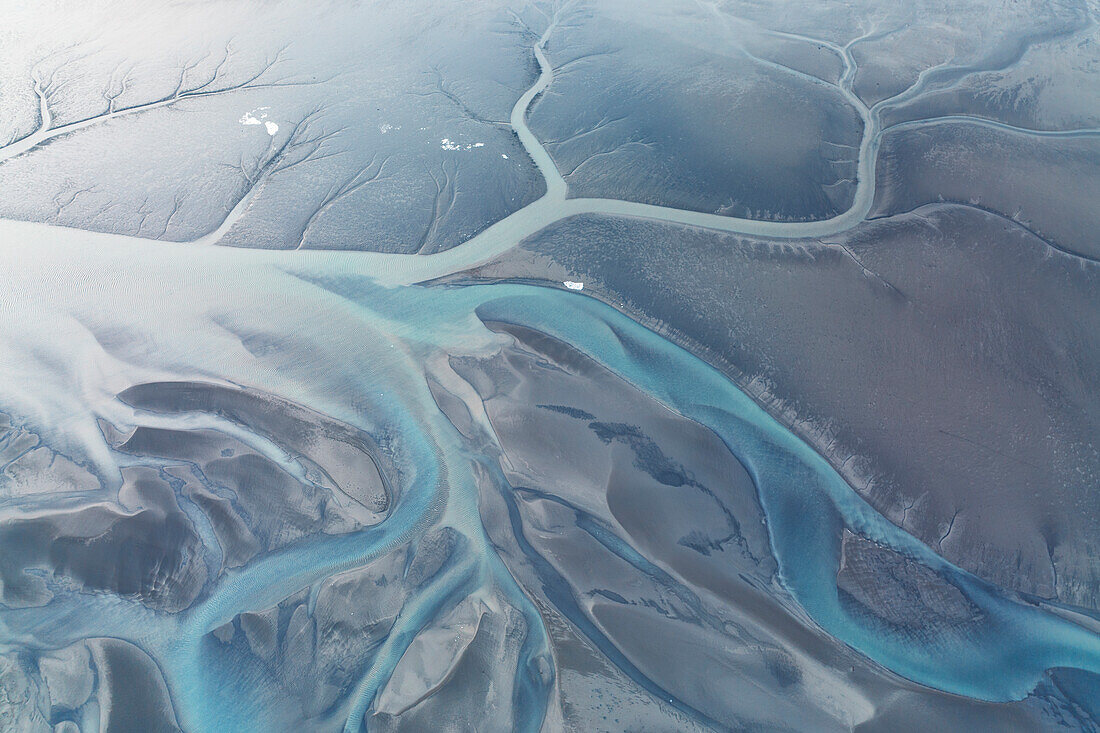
x: 257, y: 117
x: 386, y: 127
x: 449, y: 144
x: 573, y: 285
x: 504, y: 156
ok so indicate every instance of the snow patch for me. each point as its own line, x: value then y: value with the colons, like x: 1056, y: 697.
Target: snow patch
x: 258, y: 117
x: 449, y: 144
x: 573, y: 285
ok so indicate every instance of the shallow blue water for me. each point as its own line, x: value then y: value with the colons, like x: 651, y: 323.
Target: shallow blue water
x: 806, y: 503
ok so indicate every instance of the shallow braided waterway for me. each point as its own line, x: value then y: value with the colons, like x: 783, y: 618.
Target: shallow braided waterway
x: 359, y: 352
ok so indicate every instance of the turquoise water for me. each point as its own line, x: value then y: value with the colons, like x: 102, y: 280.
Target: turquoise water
x: 360, y: 352
x: 807, y: 503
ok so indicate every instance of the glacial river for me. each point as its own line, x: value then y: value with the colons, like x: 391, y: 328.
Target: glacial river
x: 356, y: 350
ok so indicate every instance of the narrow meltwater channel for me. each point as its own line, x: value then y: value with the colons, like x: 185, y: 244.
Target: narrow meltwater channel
x: 399, y: 269
x: 554, y: 205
